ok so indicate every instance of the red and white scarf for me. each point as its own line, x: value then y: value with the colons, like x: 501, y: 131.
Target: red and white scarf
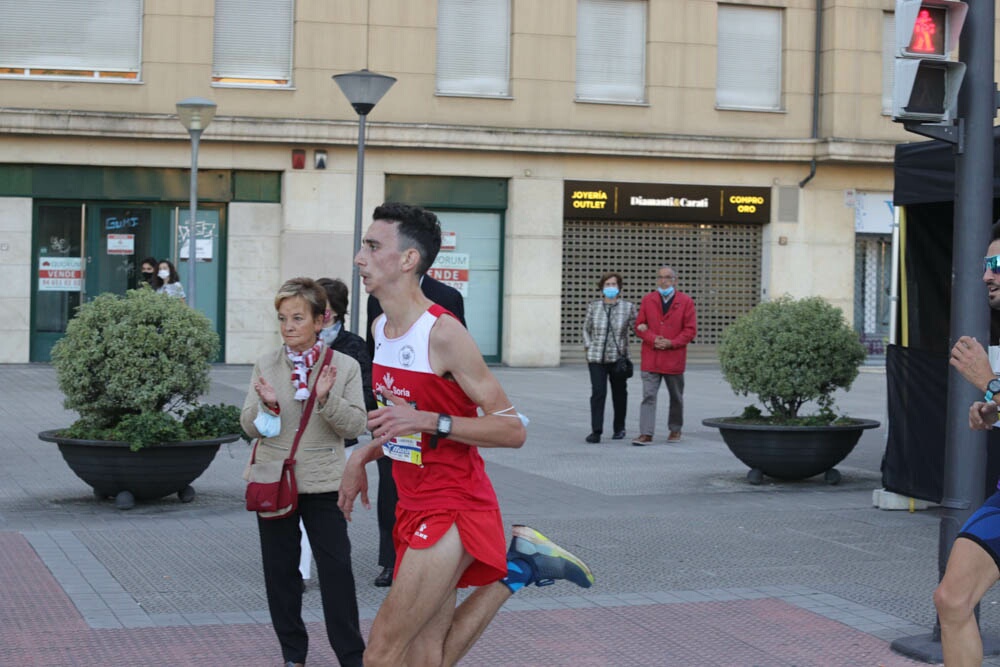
x: 301, y: 365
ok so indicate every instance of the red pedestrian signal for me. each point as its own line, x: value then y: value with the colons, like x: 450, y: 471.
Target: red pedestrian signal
x: 927, y: 77
x: 929, y: 31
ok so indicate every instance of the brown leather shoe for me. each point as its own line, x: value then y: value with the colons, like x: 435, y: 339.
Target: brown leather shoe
x: 675, y: 436
x: 643, y: 440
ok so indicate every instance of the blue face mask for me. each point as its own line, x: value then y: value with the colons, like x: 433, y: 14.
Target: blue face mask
x: 610, y: 292
x: 665, y: 292
x: 268, y: 425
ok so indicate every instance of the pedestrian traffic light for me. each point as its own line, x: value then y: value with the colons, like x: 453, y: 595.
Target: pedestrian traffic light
x: 927, y: 78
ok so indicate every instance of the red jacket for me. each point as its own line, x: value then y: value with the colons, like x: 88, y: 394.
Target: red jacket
x: 678, y: 324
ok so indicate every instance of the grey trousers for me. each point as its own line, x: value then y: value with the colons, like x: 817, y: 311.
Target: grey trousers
x: 647, y: 409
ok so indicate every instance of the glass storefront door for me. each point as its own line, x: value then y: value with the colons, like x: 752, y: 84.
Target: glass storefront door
x: 83, y: 249
x: 469, y: 261
x: 57, y: 271
x: 118, y: 239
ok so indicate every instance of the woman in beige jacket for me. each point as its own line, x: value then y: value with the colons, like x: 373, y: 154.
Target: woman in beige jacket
x: 281, y: 384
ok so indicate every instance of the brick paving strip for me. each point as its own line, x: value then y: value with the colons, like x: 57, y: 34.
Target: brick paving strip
x: 60, y: 607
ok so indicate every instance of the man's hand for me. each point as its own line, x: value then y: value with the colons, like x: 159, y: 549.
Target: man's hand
x: 983, y: 415
x: 661, y: 343
x: 971, y: 360
x: 353, y: 483
x: 393, y: 420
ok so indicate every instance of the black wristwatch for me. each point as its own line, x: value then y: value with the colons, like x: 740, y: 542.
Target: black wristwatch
x: 992, y: 389
x: 444, y: 429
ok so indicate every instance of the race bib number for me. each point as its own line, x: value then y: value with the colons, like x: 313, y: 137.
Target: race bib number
x: 405, y: 448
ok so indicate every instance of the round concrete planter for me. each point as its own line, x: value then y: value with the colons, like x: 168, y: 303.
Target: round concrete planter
x: 790, y: 452
x: 114, y: 470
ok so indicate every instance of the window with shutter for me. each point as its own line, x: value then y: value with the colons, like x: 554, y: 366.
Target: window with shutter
x: 473, y: 48
x: 611, y: 51
x: 253, y: 42
x: 749, y: 58
x: 99, y: 40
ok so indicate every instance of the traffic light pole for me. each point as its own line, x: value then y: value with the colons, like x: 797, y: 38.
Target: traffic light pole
x: 965, y: 450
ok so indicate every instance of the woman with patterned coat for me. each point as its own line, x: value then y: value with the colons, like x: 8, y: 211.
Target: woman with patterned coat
x: 605, y: 339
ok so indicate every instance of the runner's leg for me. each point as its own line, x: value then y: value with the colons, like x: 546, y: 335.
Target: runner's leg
x: 424, y: 586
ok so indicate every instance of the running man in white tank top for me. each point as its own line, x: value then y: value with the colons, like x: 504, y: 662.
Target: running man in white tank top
x: 448, y: 524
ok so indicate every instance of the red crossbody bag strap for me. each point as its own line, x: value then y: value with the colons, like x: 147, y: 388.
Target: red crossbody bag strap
x: 306, y: 412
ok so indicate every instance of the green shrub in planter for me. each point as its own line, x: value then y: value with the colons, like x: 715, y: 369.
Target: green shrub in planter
x: 789, y: 352
x: 129, y: 364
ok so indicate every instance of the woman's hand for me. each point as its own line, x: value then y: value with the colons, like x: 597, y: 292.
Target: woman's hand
x: 266, y: 393
x: 324, y: 383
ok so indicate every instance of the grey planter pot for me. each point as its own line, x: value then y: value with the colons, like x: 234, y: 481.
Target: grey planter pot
x: 790, y: 452
x: 113, y: 470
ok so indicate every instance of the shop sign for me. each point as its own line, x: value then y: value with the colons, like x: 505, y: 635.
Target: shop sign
x: 452, y: 268
x: 873, y: 213
x: 206, y: 231
x: 121, y: 244
x: 665, y: 202
x: 449, y: 240
x: 60, y: 274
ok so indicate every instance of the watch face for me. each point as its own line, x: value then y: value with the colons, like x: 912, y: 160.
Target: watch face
x: 994, y: 386
x: 444, y: 422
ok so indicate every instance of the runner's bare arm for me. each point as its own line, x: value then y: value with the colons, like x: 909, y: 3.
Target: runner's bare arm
x: 355, y: 479
x: 452, y: 350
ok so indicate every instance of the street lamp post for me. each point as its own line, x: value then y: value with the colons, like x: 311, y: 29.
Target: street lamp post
x: 363, y: 89
x: 194, y: 113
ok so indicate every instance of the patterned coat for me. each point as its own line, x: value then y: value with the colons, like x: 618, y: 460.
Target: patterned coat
x: 600, y: 347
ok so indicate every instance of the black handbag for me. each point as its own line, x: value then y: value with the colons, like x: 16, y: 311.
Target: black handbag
x: 623, y: 367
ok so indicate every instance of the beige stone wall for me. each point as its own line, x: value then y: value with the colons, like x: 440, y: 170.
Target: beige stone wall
x: 536, y: 139
x: 333, y: 38
x: 15, y: 276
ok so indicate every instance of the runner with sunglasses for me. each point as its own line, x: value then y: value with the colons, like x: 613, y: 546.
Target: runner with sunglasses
x: 973, y: 563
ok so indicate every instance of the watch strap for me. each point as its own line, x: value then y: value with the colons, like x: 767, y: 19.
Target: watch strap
x: 992, y: 389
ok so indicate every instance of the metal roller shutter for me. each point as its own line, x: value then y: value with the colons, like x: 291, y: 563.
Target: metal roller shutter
x: 718, y: 265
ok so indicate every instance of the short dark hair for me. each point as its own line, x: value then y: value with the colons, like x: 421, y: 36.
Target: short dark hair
x: 152, y: 261
x: 417, y: 227
x: 611, y: 274
x: 336, y: 295
x: 996, y: 232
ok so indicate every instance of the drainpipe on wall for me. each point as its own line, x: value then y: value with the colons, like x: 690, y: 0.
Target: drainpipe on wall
x: 816, y: 72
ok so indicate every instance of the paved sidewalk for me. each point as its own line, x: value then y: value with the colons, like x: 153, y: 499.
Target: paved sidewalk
x: 693, y: 565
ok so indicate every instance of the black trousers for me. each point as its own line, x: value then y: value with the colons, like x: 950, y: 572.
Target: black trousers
x: 386, y: 509
x: 600, y: 377
x: 280, y: 546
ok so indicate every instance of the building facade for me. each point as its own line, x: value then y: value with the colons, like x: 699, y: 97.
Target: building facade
x: 556, y: 140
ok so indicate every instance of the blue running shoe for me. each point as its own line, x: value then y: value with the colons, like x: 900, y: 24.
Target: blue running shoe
x: 548, y: 560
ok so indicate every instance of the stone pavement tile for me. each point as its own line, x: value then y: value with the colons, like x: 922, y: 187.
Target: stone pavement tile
x: 41, y: 626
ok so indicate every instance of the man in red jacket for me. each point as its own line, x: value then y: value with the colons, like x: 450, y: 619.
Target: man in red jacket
x: 666, y: 324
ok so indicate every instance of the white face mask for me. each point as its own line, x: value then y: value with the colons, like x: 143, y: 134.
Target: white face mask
x: 164, y: 274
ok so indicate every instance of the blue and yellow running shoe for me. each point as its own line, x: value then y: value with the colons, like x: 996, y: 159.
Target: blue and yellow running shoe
x: 548, y: 560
